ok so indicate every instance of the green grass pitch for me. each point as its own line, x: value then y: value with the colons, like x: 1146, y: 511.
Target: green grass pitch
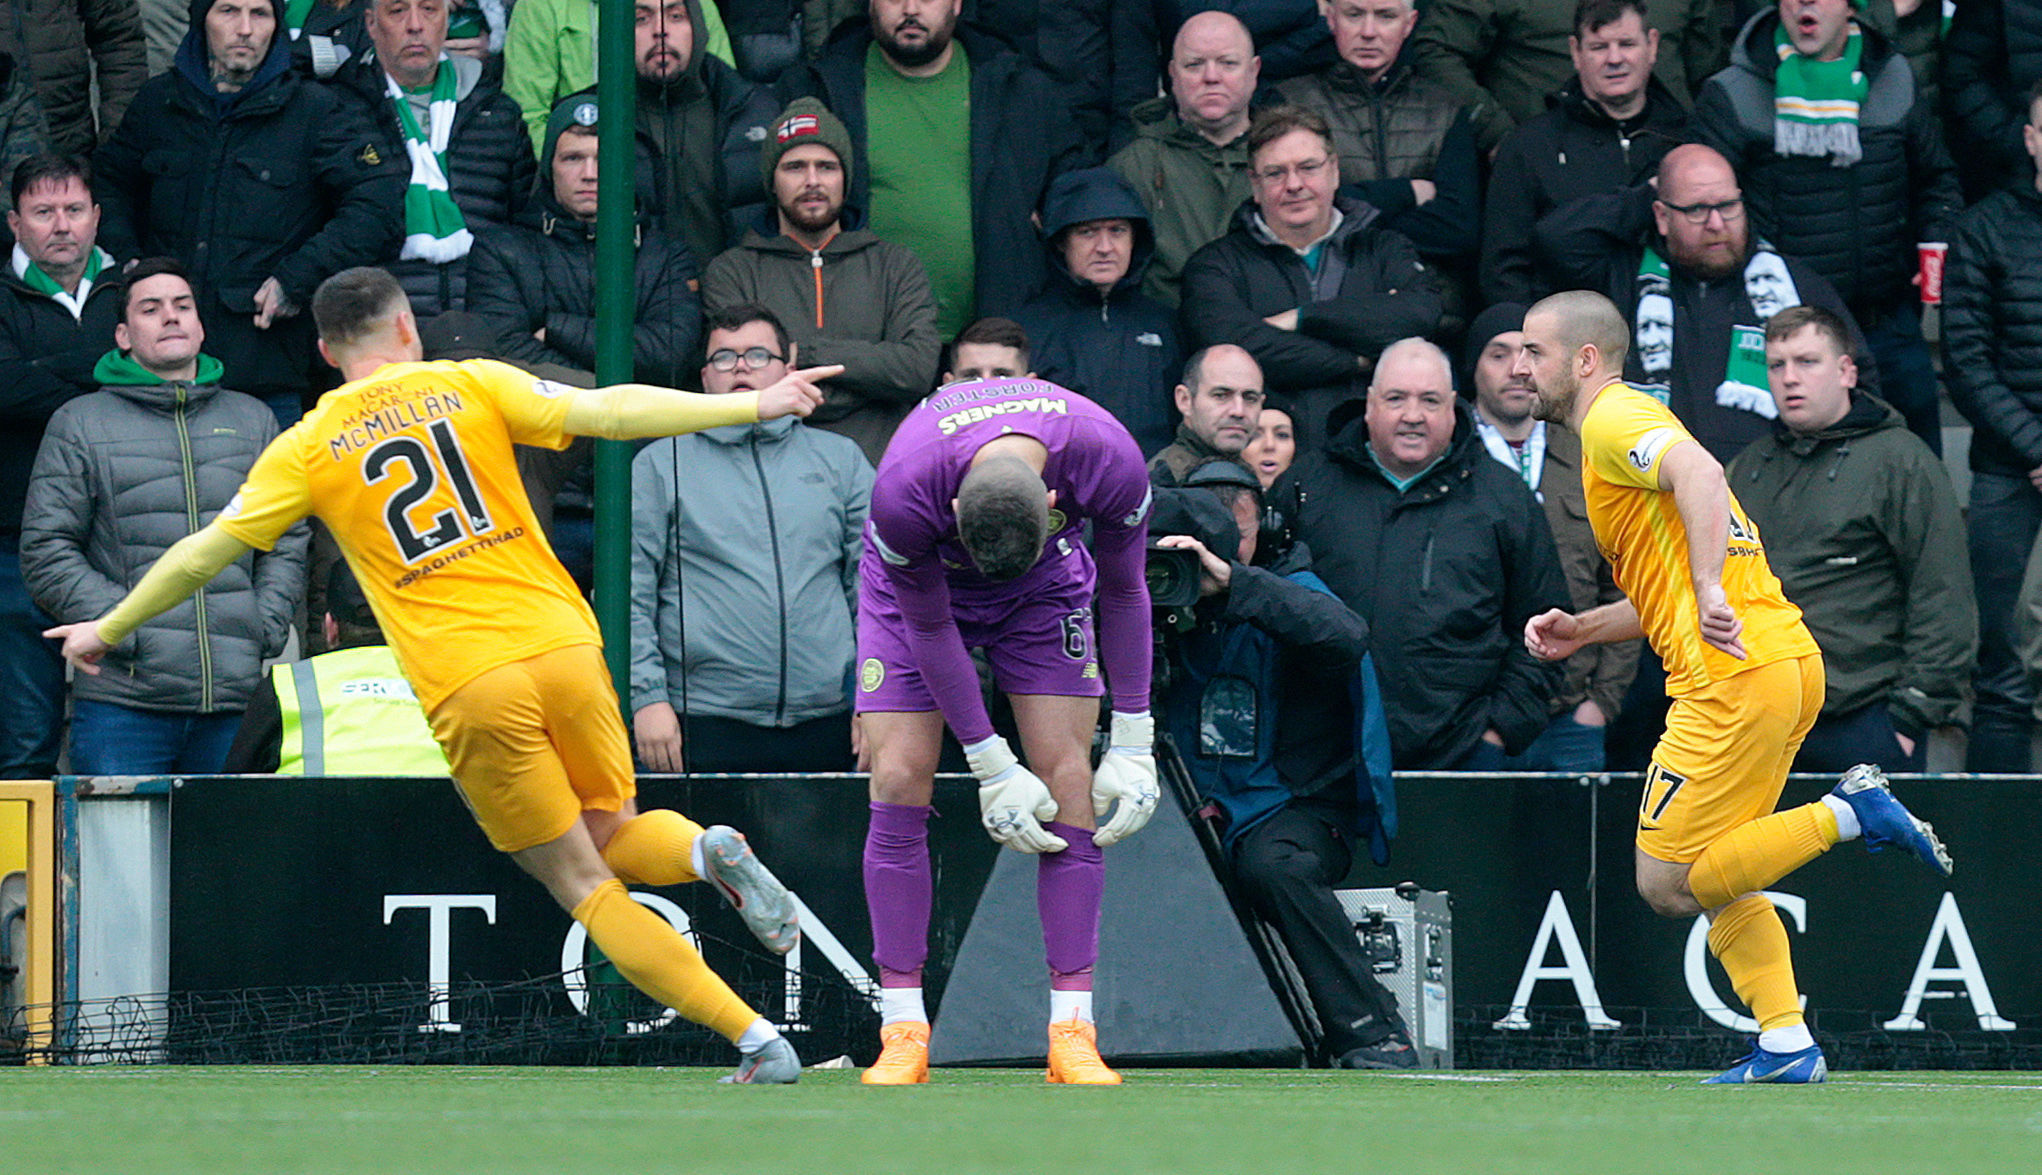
x: 160, y: 1120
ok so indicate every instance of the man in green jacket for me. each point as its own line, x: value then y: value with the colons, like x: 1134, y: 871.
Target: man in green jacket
x: 843, y: 294
x: 1861, y: 525
x: 1189, y: 159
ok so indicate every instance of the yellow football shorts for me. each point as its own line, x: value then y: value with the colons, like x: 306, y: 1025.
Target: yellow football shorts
x: 535, y: 743
x: 1724, y: 757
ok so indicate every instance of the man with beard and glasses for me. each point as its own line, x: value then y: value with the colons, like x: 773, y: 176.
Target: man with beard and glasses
x: 846, y: 296
x: 1548, y: 458
x: 1688, y: 248
x: 958, y: 139
x: 1745, y: 677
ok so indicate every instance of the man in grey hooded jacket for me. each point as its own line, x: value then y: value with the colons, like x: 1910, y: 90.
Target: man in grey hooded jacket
x: 122, y: 474
x: 744, y: 579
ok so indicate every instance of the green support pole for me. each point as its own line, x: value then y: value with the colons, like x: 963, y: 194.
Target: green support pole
x: 616, y: 310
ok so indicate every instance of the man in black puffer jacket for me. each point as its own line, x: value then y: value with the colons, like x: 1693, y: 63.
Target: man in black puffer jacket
x: 1606, y: 129
x: 1850, y: 196
x: 1992, y: 353
x: 263, y: 183
x: 1992, y: 55
x: 488, y: 169
x: 1092, y: 329
x: 1444, y: 552
x: 535, y: 281
x: 1308, y: 282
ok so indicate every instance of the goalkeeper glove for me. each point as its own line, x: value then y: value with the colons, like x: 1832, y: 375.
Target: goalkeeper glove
x: 1127, y: 774
x: 1012, y: 801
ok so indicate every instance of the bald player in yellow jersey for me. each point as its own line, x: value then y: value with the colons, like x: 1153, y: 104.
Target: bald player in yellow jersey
x: 410, y: 465
x: 1744, y: 675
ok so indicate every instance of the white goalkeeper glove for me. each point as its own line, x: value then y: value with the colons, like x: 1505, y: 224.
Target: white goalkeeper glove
x: 1126, y: 774
x: 1012, y: 801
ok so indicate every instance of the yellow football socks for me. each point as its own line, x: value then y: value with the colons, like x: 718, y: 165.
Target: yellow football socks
x: 1752, y: 856
x: 652, y: 848
x: 659, y: 962
x: 1751, y: 942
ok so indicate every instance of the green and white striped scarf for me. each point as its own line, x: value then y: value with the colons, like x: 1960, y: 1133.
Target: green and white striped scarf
x: 1815, y: 103
x: 434, y: 229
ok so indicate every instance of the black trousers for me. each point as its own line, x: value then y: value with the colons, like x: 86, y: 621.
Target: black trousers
x: 1289, y: 865
x: 1865, y: 735
x: 713, y: 744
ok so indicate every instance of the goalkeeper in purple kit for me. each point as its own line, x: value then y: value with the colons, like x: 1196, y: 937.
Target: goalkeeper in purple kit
x: 977, y: 539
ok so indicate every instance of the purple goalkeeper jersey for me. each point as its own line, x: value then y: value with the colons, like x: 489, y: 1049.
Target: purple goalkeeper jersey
x: 1099, y: 477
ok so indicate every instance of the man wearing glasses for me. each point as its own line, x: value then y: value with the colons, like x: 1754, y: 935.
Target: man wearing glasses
x: 744, y: 578
x: 1696, y: 286
x: 1307, y: 281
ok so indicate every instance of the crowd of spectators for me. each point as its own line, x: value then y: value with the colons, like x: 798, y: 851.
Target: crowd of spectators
x: 1292, y: 236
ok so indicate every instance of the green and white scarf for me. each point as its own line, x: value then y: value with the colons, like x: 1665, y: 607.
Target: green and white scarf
x: 434, y: 229
x: 34, y: 278
x: 1815, y: 103
x: 1768, y: 287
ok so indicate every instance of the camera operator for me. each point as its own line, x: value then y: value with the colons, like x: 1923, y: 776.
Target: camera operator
x: 1260, y: 705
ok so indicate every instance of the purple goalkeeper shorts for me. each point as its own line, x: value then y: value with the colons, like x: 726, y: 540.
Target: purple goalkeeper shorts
x: 1038, y: 639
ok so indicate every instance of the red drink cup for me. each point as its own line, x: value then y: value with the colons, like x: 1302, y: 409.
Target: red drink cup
x: 1931, y: 255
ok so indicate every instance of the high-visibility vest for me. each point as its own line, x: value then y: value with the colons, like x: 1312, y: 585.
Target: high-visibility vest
x: 350, y: 712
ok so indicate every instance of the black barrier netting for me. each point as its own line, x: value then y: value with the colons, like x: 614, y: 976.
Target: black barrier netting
x: 1674, y: 1038
x: 525, y: 1023
x: 530, y: 1021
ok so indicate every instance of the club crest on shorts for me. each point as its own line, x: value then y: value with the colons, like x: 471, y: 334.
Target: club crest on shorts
x: 871, y: 675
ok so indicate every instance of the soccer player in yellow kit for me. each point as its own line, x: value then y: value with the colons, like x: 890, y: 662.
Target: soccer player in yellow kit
x: 1744, y: 675
x: 410, y: 465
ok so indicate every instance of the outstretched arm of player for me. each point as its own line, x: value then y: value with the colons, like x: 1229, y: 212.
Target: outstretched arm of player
x: 188, y: 565
x: 623, y: 412
x: 1556, y: 634
x: 1702, y: 496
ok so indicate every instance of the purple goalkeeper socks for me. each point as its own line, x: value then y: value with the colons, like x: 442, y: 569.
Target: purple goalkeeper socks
x: 1068, y: 889
x: 898, y: 889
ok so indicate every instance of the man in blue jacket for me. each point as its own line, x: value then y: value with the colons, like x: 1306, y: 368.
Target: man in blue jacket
x: 1092, y: 329
x: 1274, y: 750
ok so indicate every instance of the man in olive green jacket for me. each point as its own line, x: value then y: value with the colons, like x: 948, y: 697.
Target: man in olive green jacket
x: 844, y: 295
x: 1189, y: 159
x: 1861, y: 525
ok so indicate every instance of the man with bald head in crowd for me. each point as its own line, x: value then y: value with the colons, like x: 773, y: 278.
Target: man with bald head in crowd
x: 1219, y: 403
x: 1189, y: 158
x: 1745, y: 676
x: 1444, y: 552
x: 1697, y: 285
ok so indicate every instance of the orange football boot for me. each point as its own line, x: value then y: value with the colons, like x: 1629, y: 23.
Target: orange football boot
x: 903, y: 1055
x: 1074, y: 1055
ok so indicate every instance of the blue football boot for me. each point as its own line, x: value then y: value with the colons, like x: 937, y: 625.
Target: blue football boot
x: 1805, y: 1067
x: 1884, y: 821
